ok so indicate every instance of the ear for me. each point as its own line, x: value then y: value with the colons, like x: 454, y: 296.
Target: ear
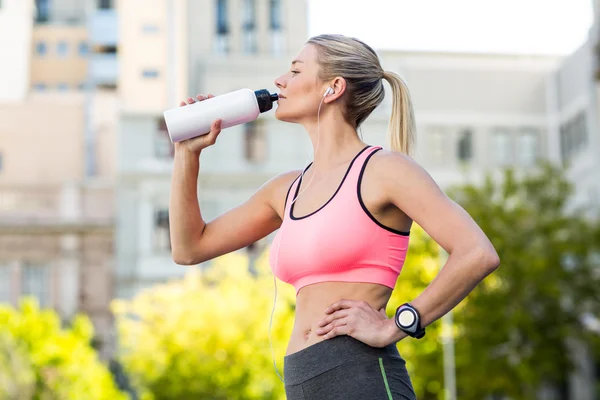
x: 339, y: 87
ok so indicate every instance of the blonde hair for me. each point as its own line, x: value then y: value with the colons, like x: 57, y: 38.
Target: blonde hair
x: 359, y: 65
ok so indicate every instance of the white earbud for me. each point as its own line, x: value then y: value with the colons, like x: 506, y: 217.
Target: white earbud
x: 328, y: 91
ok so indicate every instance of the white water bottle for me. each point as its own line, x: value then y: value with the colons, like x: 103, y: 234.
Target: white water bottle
x: 232, y: 109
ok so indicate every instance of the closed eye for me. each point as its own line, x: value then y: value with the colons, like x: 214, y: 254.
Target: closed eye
x: 295, y: 72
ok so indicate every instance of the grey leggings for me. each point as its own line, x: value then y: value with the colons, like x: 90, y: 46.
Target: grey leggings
x: 344, y: 368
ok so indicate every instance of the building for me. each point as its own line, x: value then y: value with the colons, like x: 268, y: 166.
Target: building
x: 57, y: 168
x: 174, y: 50
x: 575, y: 119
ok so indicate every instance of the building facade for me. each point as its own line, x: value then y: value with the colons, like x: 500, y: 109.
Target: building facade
x: 196, y: 47
x: 57, y: 143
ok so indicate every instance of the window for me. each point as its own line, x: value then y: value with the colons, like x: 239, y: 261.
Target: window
x: 150, y: 28
x: 5, y: 280
x: 248, y: 27
x: 36, y: 282
x: 163, y: 147
x: 40, y: 48
x: 436, y: 140
x: 162, y: 240
x: 105, y: 4
x: 277, y: 39
x: 465, y: 145
x: 39, y: 87
x: 222, y: 28
x: 255, y: 141
x: 573, y: 136
x: 275, y: 15
x: 84, y: 49
x: 150, y: 73
x: 221, y: 45
x: 501, y: 147
x: 63, y: 87
x: 42, y: 10
x: 527, y: 147
x: 62, y: 49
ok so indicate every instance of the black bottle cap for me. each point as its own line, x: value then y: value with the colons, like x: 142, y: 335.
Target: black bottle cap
x: 265, y: 99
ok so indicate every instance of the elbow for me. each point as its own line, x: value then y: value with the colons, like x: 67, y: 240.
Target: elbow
x: 483, y: 260
x: 490, y: 260
x: 184, y: 258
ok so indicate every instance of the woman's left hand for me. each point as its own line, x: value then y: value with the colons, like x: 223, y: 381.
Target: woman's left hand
x: 357, y: 319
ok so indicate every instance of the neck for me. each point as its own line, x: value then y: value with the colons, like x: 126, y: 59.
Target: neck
x: 334, y: 141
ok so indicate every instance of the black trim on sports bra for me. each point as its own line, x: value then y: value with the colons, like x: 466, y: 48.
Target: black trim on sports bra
x: 287, y: 195
x: 362, y: 204
x: 336, y: 192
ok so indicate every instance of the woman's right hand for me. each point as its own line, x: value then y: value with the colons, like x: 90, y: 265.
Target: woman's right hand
x: 196, y: 144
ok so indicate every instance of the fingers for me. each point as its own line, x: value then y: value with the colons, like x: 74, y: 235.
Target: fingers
x: 215, y: 130
x: 216, y: 126
x: 191, y: 100
x: 336, y: 315
x: 335, y: 330
x: 344, y: 304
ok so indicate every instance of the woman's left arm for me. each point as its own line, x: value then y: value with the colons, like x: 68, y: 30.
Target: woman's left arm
x: 471, y: 255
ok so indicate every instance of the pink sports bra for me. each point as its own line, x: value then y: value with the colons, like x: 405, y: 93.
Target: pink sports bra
x: 341, y: 241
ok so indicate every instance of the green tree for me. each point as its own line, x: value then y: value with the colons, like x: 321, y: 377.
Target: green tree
x: 40, y: 360
x: 514, y: 328
x: 206, y: 336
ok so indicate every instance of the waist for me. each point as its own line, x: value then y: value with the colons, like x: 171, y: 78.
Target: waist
x: 331, y: 353
x: 312, y: 301
x: 370, y: 274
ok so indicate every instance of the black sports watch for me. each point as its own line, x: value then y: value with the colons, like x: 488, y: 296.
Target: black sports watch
x: 408, y: 320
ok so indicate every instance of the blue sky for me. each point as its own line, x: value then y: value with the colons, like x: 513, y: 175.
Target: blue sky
x: 554, y: 27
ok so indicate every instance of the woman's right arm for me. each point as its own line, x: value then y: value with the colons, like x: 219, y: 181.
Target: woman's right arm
x: 192, y: 239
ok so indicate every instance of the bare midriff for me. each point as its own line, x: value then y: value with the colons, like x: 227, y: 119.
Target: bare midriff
x: 312, y: 300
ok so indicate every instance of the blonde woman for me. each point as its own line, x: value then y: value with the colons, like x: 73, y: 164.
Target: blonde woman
x: 343, y: 227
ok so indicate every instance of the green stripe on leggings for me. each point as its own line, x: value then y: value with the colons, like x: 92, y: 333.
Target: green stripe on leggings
x: 387, y: 387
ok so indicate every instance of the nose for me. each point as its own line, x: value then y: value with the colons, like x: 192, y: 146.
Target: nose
x: 280, y: 82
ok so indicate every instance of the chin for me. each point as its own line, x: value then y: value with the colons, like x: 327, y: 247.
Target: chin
x: 283, y: 116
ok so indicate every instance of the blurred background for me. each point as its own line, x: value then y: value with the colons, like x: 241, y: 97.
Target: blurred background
x: 92, y: 305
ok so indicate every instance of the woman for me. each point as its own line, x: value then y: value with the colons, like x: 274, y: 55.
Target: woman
x: 345, y: 223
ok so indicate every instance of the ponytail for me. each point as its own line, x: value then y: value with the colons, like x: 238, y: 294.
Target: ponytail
x: 401, y: 129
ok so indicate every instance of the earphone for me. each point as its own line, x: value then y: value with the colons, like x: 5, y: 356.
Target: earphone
x: 327, y: 92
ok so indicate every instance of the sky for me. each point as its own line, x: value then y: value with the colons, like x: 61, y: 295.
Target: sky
x: 553, y: 27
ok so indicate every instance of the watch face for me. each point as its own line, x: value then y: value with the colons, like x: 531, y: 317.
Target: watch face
x: 406, y: 318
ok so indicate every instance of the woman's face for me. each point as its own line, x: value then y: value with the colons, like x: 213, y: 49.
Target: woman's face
x: 300, y: 89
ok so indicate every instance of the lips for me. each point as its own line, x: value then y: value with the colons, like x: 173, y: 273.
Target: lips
x: 281, y: 96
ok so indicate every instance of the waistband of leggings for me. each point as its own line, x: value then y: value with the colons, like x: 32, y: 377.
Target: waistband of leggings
x: 331, y: 353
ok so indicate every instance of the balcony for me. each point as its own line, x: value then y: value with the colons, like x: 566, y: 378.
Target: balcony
x: 104, y: 68
x: 104, y: 28
x: 56, y: 209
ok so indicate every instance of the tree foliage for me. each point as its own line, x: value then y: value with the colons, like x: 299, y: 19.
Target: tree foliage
x: 206, y: 337
x: 515, y: 328
x: 40, y: 360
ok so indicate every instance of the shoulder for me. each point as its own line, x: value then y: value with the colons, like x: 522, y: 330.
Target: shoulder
x: 386, y: 163
x: 397, y: 171
x: 284, y: 180
x: 277, y: 188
